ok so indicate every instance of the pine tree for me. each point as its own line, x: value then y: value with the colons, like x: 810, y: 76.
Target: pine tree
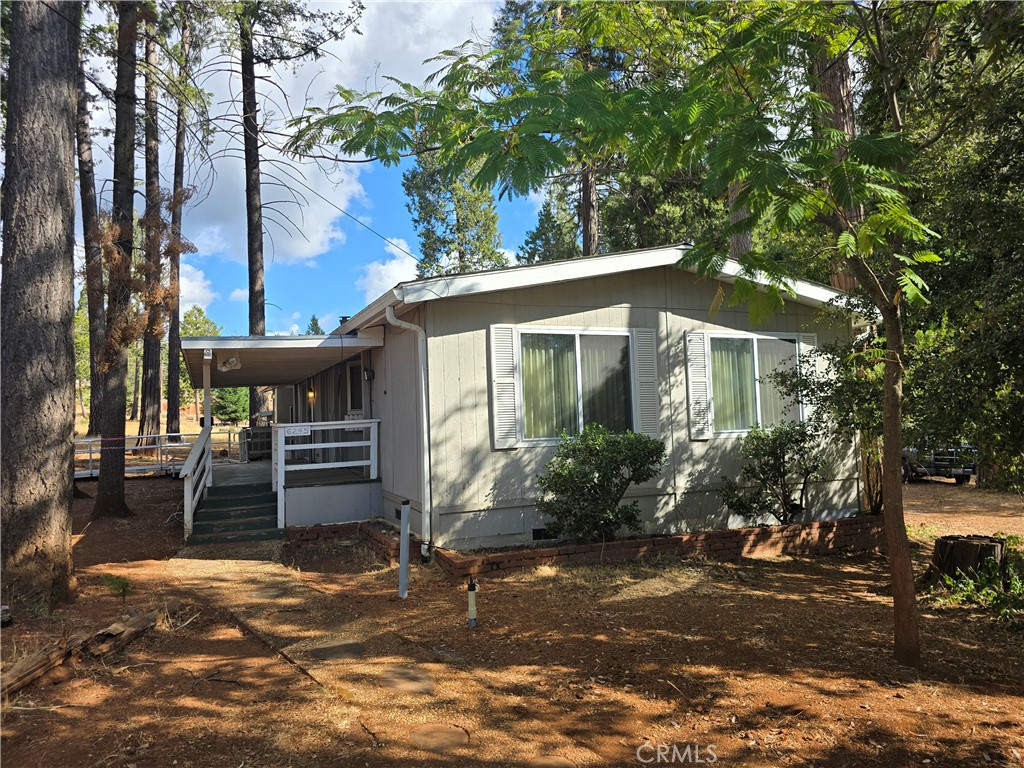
x: 457, y: 223
x: 314, y: 329
x: 556, y: 235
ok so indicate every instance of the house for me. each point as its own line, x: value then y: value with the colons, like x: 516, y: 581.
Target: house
x: 451, y: 391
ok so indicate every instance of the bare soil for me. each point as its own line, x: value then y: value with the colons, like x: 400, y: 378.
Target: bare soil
x: 783, y: 661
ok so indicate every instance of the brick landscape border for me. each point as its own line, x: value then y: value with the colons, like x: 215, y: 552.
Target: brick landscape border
x: 851, y: 534
x: 863, y: 533
x: 381, y: 543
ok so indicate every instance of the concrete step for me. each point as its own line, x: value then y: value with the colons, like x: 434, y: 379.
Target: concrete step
x: 234, y: 525
x: 235, y: 536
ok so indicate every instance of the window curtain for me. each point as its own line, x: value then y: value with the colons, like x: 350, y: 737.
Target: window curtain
x: 732, y: 384
x: 604, y: 361
x: 549, y: 385
x: 773, y: 355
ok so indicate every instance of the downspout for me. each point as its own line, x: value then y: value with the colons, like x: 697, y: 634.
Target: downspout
x: 426, y: 508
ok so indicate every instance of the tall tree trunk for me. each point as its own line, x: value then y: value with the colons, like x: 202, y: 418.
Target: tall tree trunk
x: 835, y: 83
x: 110, y: 486
x: 253, y: 201
x: 907, y: 639
x: 174, y: 249
x: 37, y: 377
x: 93, y: 252
x: 589, y: 211
x: 149, y: 417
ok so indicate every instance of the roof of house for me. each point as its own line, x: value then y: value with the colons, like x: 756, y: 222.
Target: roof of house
x: 245, y: 361
x: 414, y: 292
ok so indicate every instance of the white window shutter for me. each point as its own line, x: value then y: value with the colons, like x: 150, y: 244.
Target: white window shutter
x: 698, y: 385
x: 504, y: 398
x: 808, y: 342
x: 645, y: 376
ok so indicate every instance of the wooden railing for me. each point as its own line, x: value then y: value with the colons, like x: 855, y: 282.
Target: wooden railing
x: 197, y: 472
x: 298, y: 442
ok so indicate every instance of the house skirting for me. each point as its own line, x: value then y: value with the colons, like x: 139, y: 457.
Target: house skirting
x: 342, y: 503
x: 851, y: 534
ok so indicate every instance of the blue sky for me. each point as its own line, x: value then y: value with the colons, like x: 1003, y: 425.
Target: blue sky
x: 318, y: 261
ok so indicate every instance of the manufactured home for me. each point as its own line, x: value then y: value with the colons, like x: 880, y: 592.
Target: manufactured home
x: 451, y: 392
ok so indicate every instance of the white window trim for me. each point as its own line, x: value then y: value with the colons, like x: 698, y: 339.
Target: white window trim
x: 576, y: 332
x: 708, y: 335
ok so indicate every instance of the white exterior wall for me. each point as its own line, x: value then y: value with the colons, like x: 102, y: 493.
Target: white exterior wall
x: 482, y: 496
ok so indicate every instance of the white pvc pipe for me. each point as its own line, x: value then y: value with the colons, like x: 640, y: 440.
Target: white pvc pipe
x: 425, y: 503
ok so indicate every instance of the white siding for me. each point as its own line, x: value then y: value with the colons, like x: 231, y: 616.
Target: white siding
x: 468, y: 476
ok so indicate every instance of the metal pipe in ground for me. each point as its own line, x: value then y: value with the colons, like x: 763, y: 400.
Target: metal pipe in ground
x: 403, y: 553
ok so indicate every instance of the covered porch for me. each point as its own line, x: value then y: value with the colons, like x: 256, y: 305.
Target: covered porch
x: 321, y: 469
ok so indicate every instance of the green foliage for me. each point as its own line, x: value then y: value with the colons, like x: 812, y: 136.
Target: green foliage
x: 119, y: 586
x: 991, y: 589
x: 781, y: 460
x: 586, y: 480
x: 314, y: 329
x: 194, y: 323
x: 231, y: 404
x: 646, y: 211
x: 556, y: 235
x: 456, y: 223
x: 82, y: 339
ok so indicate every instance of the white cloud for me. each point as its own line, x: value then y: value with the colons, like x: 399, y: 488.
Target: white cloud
x: 396, y: 39
x: 378, y: 276
x: 195, y: 288
x: 239, y: 294
x: 209, y: 241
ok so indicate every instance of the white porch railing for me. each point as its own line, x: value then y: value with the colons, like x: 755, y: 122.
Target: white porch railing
x: 153, y: 453
x: 197, y: 472
x: 300, y: 438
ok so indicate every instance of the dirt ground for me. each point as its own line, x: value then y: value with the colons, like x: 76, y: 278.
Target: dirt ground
x: 765, y: 662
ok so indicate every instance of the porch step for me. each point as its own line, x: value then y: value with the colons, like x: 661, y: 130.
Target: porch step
x: 238, y: 490
x: 235, y: 500
x: 231, y: 537
x: 234, y: 525
x: 239, y: 510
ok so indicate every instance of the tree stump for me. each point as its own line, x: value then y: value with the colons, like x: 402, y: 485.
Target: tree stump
x: 967, y: 555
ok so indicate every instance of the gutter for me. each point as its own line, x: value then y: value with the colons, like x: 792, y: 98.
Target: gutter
x: 426, y: 508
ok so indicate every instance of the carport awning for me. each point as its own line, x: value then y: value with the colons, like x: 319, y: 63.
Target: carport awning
x: 259, y: 361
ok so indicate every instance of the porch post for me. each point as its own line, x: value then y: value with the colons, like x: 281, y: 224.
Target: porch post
x: 207, y: 423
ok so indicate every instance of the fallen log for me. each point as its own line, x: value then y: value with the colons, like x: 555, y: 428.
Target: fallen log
x: 107, y: 640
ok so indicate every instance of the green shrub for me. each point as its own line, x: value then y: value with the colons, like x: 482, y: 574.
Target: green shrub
x: 781, y: 459
x: 1002, y: 594
x: 586, y: 480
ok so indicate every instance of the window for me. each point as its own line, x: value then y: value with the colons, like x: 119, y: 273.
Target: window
x: 741, y: 393
x: 355, y: 388
x: 546, y: 380
x: 570, y: 379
